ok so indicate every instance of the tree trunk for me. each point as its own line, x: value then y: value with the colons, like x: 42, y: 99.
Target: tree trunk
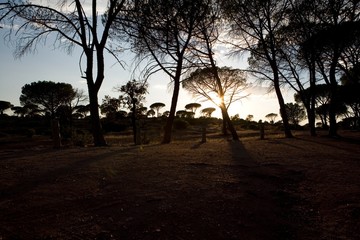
x: 312, y: 99
x: 333, y: 103
x: 170, y: 119
x: 228, y: 122
x: 98, y: 136
x: 224, y: 128
x: 283, y: 113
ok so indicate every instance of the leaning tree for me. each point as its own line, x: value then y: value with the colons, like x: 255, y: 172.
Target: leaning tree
x: 69, y: 24
x: 253, y: 27
x: 222, y: 86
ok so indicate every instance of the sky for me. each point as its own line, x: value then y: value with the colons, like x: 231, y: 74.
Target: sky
x: 49, y: 64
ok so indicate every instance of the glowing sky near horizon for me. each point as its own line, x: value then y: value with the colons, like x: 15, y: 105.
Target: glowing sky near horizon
x: 55, y: 65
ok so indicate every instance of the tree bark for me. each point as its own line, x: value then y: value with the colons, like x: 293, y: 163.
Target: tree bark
x: 228, y: 122
x: 170, y: 119
x: 333, y: 99
x: 283, y: 113
x: 98, y: 136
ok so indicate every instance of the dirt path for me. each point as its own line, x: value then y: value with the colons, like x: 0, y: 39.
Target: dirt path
x: 218, y: 190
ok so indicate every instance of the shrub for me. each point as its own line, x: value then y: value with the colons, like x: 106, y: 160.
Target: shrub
x: 29, y: 132
x: 180, y: 124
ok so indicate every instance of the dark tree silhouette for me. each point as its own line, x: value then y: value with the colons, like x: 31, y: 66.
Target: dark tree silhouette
x: 271, y: 117
x: 150, y: 113
x: 254, y: 24
x: 295, y: 112
x: 192, y: 107
x: 4, y: 105
x: 47, y: 95
x: 72, y: 25
x: 133, y: 97
x: 156, y: 106
x: 110, y: 106
x: 207, y: 112
x: 222, y: 86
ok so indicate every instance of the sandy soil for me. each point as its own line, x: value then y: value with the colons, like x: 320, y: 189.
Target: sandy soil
x: 301, y: 188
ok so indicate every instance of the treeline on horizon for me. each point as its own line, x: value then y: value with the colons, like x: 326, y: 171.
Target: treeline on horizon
x: 310, y: 46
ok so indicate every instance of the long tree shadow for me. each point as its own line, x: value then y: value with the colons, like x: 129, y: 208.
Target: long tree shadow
x: 269, y: 198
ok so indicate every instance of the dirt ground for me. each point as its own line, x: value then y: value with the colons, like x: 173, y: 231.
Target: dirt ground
x: 277, y: 188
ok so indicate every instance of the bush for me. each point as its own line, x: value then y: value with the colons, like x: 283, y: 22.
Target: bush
x: 30, y: 132
x: 180, y: 124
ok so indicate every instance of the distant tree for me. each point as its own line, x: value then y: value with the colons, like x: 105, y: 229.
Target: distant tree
x: 4, y: 105
x: 192, y: 107
x: 83, y: 110
x: 166, y: 114
x: 188, y: 114
x: 110, y: 106
x: 271, y: 117
x: 236, y: 117
x: 133, y: 95
x: 47, y: 95
x: 142, y: 111
x: 295, y: 112
x: 157, y: 106
x: 206, y: 112
x: 249, y: 118
x: 181, y: 113
x: 19, y: 111
x: 150, y: 113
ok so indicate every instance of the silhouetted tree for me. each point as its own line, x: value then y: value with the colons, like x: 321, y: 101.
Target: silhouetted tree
x: 224, y: 83
x: 254, y: 24
x: 133, y: 97
x: 47, y: 95
x: 295, y: 112
x: 271, y: 117
x: 83, y: 110
x: 151, y: 113
x: 71, y: 24
x: 249, y: 117
x: 206, y: 112
x: 192, y: 107
x: 156, y: 106
x: 110, y: 106
x: 4, y: 105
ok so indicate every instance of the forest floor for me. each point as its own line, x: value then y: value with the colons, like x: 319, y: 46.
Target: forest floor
x: 277, y: 188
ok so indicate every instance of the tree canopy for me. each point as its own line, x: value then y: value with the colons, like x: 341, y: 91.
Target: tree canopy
x: 47, y: 95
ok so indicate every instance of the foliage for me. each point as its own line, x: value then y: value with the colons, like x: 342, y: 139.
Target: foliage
x: 47, y: 96
x: 133, y: 95
x: 162, y: 33
x: 156, y: 106
x: 206, y: 112
x: 203, y: 83
x: 295, y: 112
x: 192, y: 107
x: 271, y: 117
x: 181, y: 124
x: 110, y: 106
x: 4, y: 105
